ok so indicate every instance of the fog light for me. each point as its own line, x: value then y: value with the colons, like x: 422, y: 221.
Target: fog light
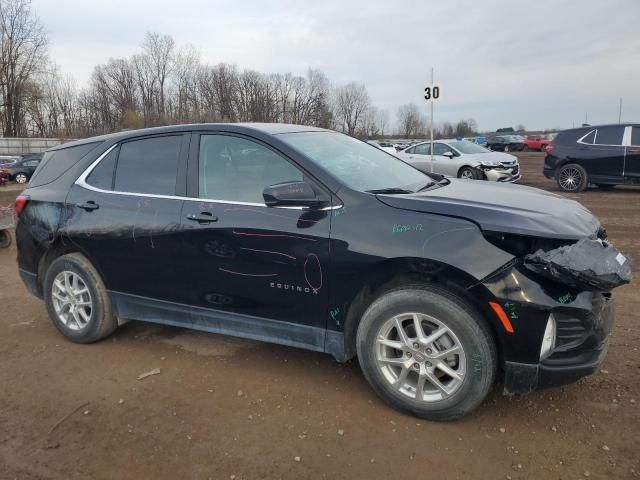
x: 549, y: 338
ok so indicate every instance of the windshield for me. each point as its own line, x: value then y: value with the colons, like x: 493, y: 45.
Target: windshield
x: 467, y: 147
x: 357, y: 164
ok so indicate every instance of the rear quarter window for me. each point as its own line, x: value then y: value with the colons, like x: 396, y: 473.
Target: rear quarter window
x: 56, y: 162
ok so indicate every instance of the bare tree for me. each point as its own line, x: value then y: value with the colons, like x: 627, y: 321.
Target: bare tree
x: 409, y: 121
x: 159, y: 50
x: 351, y: 103
x: 383, y: 121
x: 22, y: 53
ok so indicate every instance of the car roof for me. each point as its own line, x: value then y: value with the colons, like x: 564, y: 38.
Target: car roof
x: 248, y: 127
x: 591, y: 127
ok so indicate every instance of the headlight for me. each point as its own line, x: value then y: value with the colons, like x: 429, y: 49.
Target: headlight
x: 549, y: 338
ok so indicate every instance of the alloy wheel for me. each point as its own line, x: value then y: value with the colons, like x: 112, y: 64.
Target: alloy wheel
x: 21, y: 178
x: 71, y: 300
x: 466, y: 173
x: 570, y: 179
x: 420, y: 357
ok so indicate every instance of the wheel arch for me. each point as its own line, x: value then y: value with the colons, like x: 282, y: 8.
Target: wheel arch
x: 395, y: 273
x: 57, y: 248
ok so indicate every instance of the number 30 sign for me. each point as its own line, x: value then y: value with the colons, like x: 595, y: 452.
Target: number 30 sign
x: 431, y: 93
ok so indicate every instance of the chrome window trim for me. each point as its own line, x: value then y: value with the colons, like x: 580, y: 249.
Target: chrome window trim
x: 82, y: 182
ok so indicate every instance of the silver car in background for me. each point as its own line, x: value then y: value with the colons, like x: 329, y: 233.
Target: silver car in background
x: 463, y: 159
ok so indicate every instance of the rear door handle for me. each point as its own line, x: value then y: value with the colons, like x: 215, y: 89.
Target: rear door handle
x: 88, y: 206
x: 202, y: 217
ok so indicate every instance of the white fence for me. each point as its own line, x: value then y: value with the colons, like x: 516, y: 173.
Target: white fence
x: 19, y: 146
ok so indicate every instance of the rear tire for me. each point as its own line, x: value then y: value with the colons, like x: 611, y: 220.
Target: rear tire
x: 398, y: 366
x: 572, y: 178
x: 5, y: 239
x: 22, y: 178
x: 77, y: 300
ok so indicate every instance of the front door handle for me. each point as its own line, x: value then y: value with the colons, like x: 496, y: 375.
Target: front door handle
x: 88, y: 206
x: 202, y: 217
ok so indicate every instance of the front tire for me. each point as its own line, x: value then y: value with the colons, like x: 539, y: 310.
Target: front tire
x: 425, y: 351
x: 77, y: 300
x: 468, y: 173
x: 572, y: 178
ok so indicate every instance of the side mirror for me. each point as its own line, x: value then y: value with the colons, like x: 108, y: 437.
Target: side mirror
x: 448, y: 154
x: 291, y: 194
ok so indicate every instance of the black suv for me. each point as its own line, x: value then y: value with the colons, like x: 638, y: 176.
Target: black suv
x: 506, y: 143
x: 604, y: 155
x: 309, y: 238
x: 22, y: 170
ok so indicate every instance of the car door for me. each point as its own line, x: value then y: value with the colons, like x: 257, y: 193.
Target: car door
x: 420, y: 157
x: 602, y: 153
x: 123, y: 213
x: 241, y: 260
x: 632, y: 159
x: 446, y: 165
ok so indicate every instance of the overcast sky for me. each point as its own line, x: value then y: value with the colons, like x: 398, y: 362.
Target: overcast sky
x: 542, y: 63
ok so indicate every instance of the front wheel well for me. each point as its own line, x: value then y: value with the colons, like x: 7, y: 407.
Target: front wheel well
x: 452, y: 282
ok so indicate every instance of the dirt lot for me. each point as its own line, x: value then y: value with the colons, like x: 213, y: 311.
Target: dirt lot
x: 226, y: 408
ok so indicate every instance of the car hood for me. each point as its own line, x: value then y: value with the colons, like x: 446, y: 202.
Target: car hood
x: 493, y: 157
x: 505, y: 208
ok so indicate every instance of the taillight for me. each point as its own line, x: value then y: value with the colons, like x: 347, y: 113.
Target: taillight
x: 21, y: 202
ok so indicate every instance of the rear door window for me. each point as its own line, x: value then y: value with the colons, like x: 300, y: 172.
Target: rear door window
x: 609, y: 135
x: 441, y: 149
x: 148, y: 166
x: 424, y: 149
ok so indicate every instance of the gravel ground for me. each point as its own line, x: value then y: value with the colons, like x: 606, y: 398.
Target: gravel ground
x: 226, y: 408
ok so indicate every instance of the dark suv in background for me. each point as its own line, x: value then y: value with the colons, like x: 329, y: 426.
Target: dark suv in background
x: 22, y: 170
x: 313, y: 239
x: 506, y: 143
x: 604, y: 155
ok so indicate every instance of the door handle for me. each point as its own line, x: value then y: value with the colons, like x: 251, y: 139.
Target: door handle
x: 88, y: 206
x: 202, y: 217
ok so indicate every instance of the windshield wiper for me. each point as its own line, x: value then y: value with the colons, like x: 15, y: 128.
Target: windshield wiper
x: 391, y: 190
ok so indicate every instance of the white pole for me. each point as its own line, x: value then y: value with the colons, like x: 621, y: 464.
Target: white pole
x: 431, y: 120
x: 620, y: 112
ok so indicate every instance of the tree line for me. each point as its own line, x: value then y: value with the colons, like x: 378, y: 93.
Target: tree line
x: 164, y: 84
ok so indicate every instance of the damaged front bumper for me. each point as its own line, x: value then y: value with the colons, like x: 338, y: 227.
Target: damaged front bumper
x: 506, y: 175
x: 581, y: 344
x: 565, y: 291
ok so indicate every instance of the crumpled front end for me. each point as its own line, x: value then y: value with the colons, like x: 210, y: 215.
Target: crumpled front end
x: 506, y: 172
x: 559, y: 306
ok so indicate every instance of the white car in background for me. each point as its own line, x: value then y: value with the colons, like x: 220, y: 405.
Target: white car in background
x: 463, y: 159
